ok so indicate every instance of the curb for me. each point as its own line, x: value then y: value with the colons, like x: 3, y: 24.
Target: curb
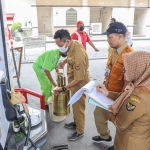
x: 102, y: 40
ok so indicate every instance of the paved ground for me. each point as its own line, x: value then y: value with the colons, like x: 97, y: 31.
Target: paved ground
x: 56, y: 132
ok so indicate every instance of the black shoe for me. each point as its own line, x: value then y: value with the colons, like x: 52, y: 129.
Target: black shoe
x: 111, y: 148
x: 74, y: 136
x: 98, y: 139
x: 70, y: 125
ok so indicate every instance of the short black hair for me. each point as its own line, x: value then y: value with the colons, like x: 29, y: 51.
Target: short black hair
x: 113, y: 19
x: 63, y: 35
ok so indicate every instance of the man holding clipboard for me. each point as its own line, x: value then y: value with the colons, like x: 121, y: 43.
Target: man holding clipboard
x: 114, y: 76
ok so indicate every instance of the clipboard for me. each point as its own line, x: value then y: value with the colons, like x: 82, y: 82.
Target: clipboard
x: 90, y: 100
x: 99, y: 99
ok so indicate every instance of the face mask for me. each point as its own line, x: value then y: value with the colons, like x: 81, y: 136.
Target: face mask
x: 63, y: 49
x: 81, y: 28
x: 63, y: 55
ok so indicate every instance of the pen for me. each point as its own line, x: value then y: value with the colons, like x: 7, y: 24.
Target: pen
x: 104, y: 84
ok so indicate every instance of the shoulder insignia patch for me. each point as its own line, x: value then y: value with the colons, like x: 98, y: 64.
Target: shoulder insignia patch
x: 77, y: 68
x: 130, y: 106
x: 135, y: 98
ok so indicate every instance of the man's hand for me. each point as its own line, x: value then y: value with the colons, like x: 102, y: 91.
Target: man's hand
x: 61, y: 64
x: 56, y: 69
x: 57, y: 91
x: 91, y: 43
x: 96, y: 50
x: 101, y: 88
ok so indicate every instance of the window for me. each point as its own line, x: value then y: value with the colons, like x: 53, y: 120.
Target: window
x: 71, y: 17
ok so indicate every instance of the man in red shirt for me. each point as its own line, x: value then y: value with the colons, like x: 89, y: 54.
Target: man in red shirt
x: 82, y: 36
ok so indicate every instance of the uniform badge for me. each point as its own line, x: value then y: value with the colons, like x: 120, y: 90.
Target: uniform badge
x: 107, y: 72
x: 130, y: 106
x: 77, y: 68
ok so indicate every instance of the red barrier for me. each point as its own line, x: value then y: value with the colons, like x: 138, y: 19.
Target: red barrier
x: 25, y: 91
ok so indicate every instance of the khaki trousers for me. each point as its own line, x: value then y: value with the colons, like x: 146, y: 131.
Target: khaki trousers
x: 79, y: 113
x: 101, y: 122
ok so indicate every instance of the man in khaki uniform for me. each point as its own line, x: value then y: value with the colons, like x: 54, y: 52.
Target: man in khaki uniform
x: 78, y: 76
x: 114, y: 76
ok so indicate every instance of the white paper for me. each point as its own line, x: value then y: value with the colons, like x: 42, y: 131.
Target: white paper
x: 87, y: 88
x: 90, y: 90
x: 100, y: 98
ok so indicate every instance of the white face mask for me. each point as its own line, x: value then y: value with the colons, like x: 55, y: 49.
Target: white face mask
x: 63, y: 49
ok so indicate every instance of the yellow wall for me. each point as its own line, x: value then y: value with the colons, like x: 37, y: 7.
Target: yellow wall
x: 108, y: 2
x: 138, y: 3
x: 59, y: 2
x: 141, y: 3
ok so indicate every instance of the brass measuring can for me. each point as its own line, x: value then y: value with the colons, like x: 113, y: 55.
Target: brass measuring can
x: 60, y: 107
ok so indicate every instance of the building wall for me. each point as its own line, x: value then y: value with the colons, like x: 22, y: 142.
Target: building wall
x: 95, y: 15
x: 148, y: 23
x: 59, y: 2
x: 23, y: 10
x: 106, y: 16
x: 142, y: 3
x: 45, y: 20
x: 59, y: 19
x: 140, y: 17
x: 108, y: 2
x: 126, y: 16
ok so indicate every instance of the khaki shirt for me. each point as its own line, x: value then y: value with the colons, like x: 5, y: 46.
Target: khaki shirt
x: 133, y: 122
x: 77, y: 64
x: 118, y: 51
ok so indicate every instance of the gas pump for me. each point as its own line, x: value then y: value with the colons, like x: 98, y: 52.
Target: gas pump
x: 13, y: 112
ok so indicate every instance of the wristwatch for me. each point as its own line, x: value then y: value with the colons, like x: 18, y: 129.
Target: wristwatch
x: 63, y: 88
